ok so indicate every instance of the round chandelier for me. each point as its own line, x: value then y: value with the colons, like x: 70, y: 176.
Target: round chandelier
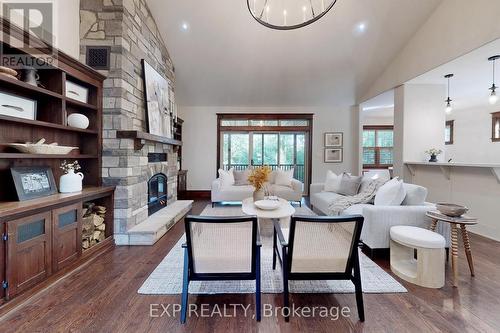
x: 288, y: 14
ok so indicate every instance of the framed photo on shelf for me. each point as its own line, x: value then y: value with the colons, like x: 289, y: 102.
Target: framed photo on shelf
x: 334, y: 155
x: 15, y: 106
x: 33, y: 182
x: 335, y: 139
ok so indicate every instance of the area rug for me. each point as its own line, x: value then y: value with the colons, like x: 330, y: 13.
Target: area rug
x: 166, y: 279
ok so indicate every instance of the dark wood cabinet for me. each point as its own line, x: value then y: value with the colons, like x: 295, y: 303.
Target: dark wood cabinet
x: 182, y: 184
x: 67, y: 239
x: 29, y: 252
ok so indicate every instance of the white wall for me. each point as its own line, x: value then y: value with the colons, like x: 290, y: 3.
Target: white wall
x: 472, y: 136
x: 455, y: 28
x: 200, y: 139
x: 424, y: 117
x: 66, y: 25
x: 374, y: 121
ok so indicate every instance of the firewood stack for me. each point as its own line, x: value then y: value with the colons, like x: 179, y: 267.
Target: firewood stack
x: 93, y: 226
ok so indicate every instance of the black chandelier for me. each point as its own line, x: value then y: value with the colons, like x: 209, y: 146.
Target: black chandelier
x: 288, y: 14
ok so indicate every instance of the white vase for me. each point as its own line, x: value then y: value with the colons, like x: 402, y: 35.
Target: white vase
x: 78, y: 120
x: 71, y: 182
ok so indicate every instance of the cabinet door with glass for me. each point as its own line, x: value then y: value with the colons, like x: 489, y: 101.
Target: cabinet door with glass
x: 67, y: 240
x: 29, y: 252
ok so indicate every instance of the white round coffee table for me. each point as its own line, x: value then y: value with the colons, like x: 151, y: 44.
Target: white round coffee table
x: 286, y: 210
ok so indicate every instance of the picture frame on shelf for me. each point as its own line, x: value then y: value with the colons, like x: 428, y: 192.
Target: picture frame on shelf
x: 33, y: 182
x: 16, y: 106
x: 334, y: 155
x: 158, y: 104
x: 334, y: 139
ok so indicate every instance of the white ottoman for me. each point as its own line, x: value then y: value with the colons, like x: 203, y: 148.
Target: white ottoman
x: 427, y: 270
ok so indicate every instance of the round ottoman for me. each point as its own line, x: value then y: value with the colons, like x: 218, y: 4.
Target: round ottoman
x: 418, y: 256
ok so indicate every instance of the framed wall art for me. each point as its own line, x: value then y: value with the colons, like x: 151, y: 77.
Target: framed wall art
x: 334, y: 155
x: 335, y: 139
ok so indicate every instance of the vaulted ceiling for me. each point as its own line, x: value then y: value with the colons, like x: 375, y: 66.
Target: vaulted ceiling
x: 223, y: 57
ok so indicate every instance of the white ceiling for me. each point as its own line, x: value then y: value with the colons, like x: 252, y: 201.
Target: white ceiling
x: 473, y: 77
x: 381, y: 106
x: 225, y: 58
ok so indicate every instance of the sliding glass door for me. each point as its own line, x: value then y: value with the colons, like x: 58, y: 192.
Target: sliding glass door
x: 277, y: 150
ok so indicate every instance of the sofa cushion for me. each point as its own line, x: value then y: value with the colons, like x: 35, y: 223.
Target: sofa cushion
x: 415, y: 195
x: 349, y: 185
x: 280, y: 190
x: 241, y: 177
x: 323, y: 200
x: 226, y: 177
x: 332, y: 182
x: 371, y: 175
x: 284, y: 177
x: 391, y: 193
x: 356, y: 209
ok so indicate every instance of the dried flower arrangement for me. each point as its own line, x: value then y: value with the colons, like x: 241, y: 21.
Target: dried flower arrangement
x: 66, y: 167
x: 259, y: 176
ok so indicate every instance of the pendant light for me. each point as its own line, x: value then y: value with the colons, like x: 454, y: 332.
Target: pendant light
x: 288, y: 15
x: 493, y: 96
x: 449, y: 108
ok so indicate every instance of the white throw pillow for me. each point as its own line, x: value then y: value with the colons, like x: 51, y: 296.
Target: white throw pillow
x: 284, y: 178
x: 332, y: 182
x: 226, y: 177
x: 391, y: 193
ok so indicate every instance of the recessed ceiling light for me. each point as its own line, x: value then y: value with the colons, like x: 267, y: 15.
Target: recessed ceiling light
x: 185, y: 26
x: 360, y: 28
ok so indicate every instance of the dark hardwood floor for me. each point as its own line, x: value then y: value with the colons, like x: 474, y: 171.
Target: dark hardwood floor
x: 102, y: 297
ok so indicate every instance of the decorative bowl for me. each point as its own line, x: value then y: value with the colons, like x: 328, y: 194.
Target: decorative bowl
x: 267, y: 204
x: 452, y: 210
x: 31, y: 148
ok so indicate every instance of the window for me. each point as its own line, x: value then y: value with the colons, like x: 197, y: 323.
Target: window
x: 495, y: 127
x: 448, y: 133
x: 378, y: 144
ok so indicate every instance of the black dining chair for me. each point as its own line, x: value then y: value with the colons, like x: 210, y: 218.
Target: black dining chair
x: 221, y: 248
x: 319, y: 248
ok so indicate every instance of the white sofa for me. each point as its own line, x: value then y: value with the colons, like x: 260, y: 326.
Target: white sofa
x: 238, y: 193
x: 380, y: 219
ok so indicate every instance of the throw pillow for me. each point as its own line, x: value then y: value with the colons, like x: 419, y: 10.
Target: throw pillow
x: 374, y: 175
x: 226, y: 177
x: 415, y: 195
x: 241, y: 177
x: 391, y: 193
x: 284, y: 178
x: 349, y: 185
x: 332, y: 182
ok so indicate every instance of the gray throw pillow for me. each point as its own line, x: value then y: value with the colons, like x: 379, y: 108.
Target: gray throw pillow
x: 349, y: 185
x: 241, y: 177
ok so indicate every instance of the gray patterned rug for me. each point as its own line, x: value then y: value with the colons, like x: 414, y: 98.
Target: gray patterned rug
x: 166, y: 279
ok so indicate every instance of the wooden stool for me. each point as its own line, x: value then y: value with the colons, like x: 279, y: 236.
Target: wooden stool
x: 427, y: 270
x: 456, y: 223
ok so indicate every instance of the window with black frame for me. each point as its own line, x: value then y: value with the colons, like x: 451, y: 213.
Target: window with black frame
x: 378, y: 147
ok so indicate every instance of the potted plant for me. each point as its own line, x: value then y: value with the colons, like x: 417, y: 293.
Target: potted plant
x: 258, y: 178
x: 70, y: 181
x: 433, y: 153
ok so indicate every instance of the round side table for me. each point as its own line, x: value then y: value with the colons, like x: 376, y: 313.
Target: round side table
x: 455, y: 224
x: 286, y: 210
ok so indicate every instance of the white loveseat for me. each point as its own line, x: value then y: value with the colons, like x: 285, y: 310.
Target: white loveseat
x: 380, y: 219
x: 220, y: 193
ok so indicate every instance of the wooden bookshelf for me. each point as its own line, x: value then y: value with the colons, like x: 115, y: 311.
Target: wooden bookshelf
x: 26, y: 263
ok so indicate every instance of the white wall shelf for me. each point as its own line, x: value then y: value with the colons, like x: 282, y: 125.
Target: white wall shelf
x: 446, y: 167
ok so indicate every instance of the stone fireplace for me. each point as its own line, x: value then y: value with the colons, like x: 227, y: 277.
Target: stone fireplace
x: 128, y: 29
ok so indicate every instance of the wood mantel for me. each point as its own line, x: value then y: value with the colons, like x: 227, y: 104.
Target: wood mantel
x: 141, y: 138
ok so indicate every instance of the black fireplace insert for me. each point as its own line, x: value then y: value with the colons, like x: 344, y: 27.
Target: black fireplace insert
x: 157, y: 193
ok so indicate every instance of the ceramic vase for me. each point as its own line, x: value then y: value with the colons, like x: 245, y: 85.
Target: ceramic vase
x: 433, y: 158
x: 258, y: 195
x: 71, y: 182
x: 78, y: 120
